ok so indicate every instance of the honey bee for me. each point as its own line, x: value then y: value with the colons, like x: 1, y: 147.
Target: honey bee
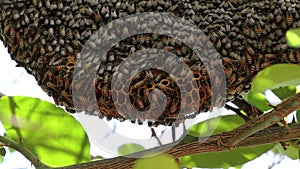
x: 16, y: 15
x: 147, y: 38
x: 279, y: 32
x: 104, y: 9
x: 149, y: 74
x: 224, y: 52
x: 246, y: 30
x: 51, y: 86
x: 69, y: 48
x: 173, y: 108
x: 66, y: 96
x: 292, y: 57
x: 289, y: 18
x: 47, y: 4
x: 184, y: 49
x: 20, y: 41
x: 270, y: 56
x: 62, y: 31
x: 172, y: 41
x: 6, y: 29
x: 250, y: 21
x: 250, y: 50
x: 228, y: 45
x: 60, y: 5
x: 266, y: 64
x: 139, y: 104
x: 213, y: 36
x: 69, y: 34
x: 172, y: 8
x: 12, y: 34
x: 168, y: 48
x: 278, y: 18
x: 248, y: 58
x: 178, y: 52
x: 228, y: 72
x: 26, y: 19
x: 35, y: 2
x: 258, y: 29
x: 42, y: 51
x: 138, y: 84
x: 232, y: 79
x: 36, y: 37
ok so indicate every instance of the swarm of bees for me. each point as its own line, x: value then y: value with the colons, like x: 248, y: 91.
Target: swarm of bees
x: 45, y: 36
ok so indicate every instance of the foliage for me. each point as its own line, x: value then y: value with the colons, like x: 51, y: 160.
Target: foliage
x: 293, y: 37
x: 53, y: 135
x: 158, y: 161
x: 129, y: 148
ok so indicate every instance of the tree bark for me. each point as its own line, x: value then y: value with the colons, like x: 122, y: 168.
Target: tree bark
x: 194, y: 145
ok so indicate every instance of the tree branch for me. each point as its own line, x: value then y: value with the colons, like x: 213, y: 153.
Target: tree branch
x: 287, y: 106
x: 194, y: 145
x: 23, y: 150
x: 249, y: 134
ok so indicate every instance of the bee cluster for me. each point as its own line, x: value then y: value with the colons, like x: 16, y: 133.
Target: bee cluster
x: 45, y: 37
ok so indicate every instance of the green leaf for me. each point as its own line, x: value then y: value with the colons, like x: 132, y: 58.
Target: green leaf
x: 275, y: 76
x: 219, y: 124
x: 258, y: 100
x: 225, y: 159
x: 129, y: 148
x: 291, y: 151
x: 298, y: 116
x: 155, y: 162
x: 293, y: 37
x: 2, y: 152
x: 53, y: 135
x: 285, y: 92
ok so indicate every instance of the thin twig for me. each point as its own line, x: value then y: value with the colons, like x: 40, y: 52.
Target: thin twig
x: 155, y: 136
x: 237, y: 111
x: 287, y: 106
x: 23, y: 150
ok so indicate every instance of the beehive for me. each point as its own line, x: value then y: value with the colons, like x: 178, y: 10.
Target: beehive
x: 46, y: 36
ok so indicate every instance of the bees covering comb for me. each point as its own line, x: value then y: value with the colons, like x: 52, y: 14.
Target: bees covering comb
x: 46, y: 36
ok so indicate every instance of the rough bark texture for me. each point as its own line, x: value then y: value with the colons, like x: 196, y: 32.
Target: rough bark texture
x: 194, y: 145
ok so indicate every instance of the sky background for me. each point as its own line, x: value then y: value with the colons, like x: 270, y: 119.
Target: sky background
x: 16, y: 81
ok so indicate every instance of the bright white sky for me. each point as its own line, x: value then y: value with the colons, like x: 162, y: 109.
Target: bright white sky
x: 16, y: 81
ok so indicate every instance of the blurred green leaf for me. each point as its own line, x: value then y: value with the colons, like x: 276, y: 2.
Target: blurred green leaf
x: 235, y: 157
x: 293, y: 37
x: 276, y: 76
x: 291, y: 151
x: 53, y: 135
x: 216, y: 125
x: 258, y: 100
x: 284, y: 92
x: 298, y: 116
x: 129, y: 148
x: 2, y: 152
x: 162, y: 161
